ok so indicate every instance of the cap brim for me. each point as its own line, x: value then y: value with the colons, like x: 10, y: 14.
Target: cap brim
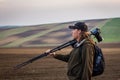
x: 72, y: 27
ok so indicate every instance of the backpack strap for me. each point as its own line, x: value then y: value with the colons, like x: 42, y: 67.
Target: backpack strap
x: 79, y: 44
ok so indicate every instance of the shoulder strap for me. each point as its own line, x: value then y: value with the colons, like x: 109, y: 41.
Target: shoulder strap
x: 79, y: 44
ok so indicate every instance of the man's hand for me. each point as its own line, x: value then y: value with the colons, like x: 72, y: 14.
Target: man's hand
x: 51, y: 54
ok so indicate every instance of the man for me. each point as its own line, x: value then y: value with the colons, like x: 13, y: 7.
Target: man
x: 80, y: 59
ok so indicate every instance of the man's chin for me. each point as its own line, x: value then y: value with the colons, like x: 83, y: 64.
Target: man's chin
x: 74, y: 38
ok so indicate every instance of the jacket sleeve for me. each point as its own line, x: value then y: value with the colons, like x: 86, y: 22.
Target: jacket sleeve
x: 62, y: 57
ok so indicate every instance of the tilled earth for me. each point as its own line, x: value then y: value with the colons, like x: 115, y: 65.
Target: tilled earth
x: 49, y: 68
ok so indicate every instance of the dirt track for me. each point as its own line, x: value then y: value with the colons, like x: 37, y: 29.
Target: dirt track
x: 49, y: 68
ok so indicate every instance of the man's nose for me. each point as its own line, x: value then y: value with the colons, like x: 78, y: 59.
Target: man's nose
x: 72, y: 31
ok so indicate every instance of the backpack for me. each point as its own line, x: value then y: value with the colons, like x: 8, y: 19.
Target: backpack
x: 99, y: 62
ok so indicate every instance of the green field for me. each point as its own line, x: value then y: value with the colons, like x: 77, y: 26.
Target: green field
x: 52, y: 34
x: 25, y: 39
x: 110, y: 31
x: 13, y: 31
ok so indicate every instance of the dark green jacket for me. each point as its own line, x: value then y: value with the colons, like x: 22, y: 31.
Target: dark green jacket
x: 80, y: 61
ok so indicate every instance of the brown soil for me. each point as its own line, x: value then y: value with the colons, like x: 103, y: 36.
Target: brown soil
x: 49, y: 68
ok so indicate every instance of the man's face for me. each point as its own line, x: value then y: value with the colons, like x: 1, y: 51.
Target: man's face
x: 76, y: 33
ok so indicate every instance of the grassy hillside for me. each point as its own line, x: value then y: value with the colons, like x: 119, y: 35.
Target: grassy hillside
x: 111, y: 30
x: 54, y: 34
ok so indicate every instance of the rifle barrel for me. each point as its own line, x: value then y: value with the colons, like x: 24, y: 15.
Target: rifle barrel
x: 45, y: 54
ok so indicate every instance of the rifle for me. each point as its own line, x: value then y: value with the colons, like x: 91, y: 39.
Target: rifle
x: 46, y: 53
x: 95, y: 32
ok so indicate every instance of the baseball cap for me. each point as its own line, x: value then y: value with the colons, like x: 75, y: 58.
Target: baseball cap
x: 79, y: 25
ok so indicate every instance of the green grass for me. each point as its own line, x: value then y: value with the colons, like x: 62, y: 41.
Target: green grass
x: 111, y: 31
x: 13, y: 31
x: 25, y: 39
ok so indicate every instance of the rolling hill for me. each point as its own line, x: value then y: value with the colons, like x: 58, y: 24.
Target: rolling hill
x: 54, y: 34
